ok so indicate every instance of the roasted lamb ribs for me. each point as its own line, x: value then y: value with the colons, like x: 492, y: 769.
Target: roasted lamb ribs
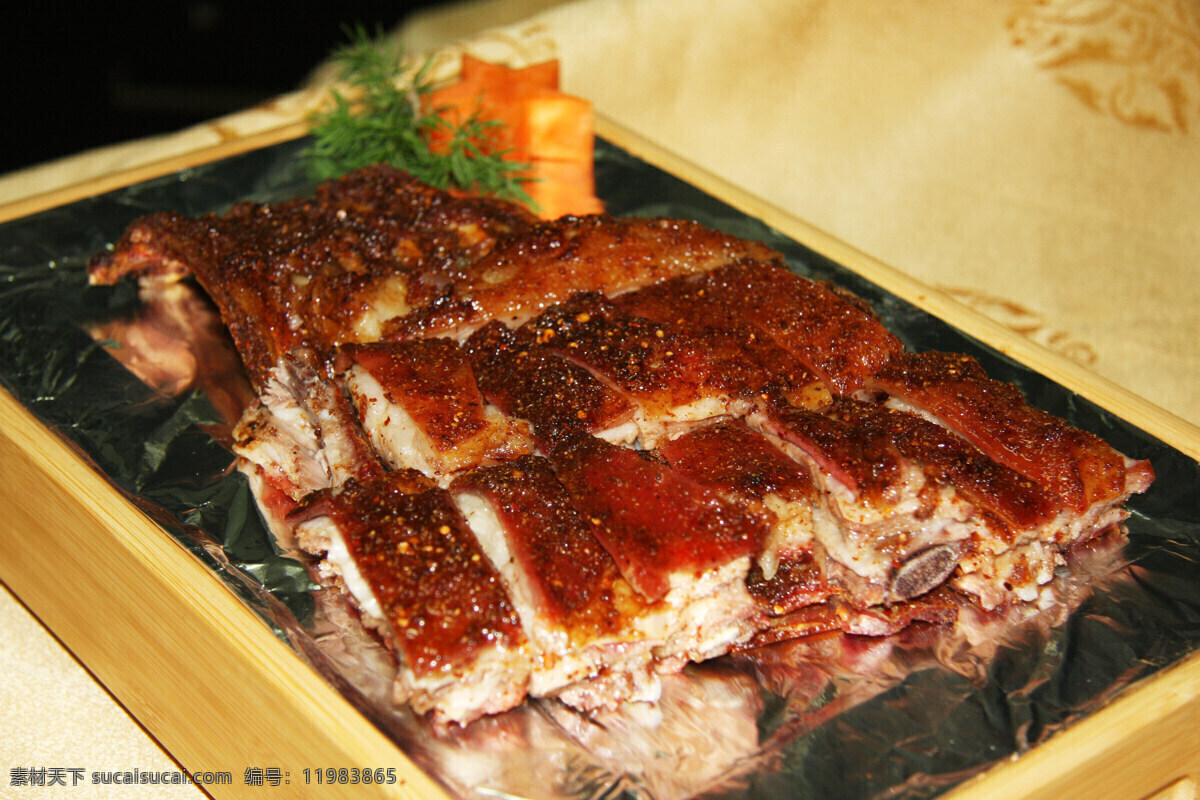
x: 561, y: 459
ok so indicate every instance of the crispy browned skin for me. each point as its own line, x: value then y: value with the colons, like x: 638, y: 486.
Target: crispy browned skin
x: 1078, y: 467
x: 473, y: 224
x: 553, y: 260
x: 658, y: 367
x: 865, y: 464
x: 308, y: 272
x: 734, y: 459
x: 832, y: 334
x: 865, y: 445
x: 653, y: 521
x: 290, y: 278
x: 431, y: 379
x: 442, y: 597
x: 944, y: 457
x: 525, y: 380
x: 553, y: 545
x: 745, y: 362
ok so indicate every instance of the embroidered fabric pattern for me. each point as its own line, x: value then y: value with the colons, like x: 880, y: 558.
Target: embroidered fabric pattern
x: 1135, y: 60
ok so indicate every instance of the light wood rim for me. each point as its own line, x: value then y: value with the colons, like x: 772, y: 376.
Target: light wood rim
x: 154, y: 169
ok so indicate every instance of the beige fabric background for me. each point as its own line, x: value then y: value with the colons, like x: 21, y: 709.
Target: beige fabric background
x: 1038, y: 159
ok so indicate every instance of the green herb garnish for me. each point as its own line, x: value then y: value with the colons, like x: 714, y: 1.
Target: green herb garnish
x: 387, y: 121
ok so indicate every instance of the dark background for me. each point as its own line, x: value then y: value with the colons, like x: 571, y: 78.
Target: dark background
x: 81, y: 75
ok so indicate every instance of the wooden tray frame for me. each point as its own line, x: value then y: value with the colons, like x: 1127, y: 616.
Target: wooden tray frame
x: 220, y: 692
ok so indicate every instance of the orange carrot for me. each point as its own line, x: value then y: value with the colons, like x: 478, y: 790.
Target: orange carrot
x: 551, y: 131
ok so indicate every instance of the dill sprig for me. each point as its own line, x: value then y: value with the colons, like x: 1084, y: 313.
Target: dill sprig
x: 386, y: 119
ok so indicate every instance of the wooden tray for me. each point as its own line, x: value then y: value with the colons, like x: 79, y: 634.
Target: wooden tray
x: 219, y: 690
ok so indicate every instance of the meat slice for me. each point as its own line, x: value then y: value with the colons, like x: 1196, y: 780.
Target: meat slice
x: 1019, y: 502
x: 1085, y: 482
x: 1088, y: 481
x: 745, y: 363
x: 792, y: 588
x: 527, y: 381
x: 916, y: 506
x: 664, y: 373
x: 423, y: 409
x: 592, y: 635
x: 1080, y: 468
x: 673, y: 540
x: 552, y: 261
x: 833, y: 334
x: 745, y: 467
x: 409, y: 559
x: 1015, y: 521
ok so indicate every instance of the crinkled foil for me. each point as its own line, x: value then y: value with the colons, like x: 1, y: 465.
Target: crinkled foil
x: 146, y: 386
